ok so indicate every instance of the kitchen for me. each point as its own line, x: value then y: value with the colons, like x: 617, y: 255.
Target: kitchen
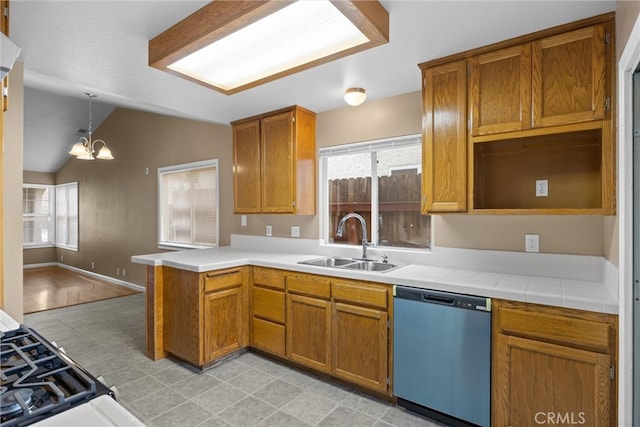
x: 558, y: 233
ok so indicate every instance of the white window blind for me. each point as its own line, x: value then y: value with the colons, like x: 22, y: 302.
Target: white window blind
x: 188, y: 202
x: 67, y: 215
x: 37, y: 215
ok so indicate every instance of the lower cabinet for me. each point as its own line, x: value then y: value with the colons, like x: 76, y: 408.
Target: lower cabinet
x: 205, y: 314
x: 336, y: 326
x: 309, y: 320
x: 552, y: 366
x: 360, y: 334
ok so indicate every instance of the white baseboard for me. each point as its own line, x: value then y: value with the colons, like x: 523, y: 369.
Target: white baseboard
x: 88, y: 273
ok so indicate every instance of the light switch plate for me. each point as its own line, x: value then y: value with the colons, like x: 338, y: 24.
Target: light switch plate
x: 269, y: 230
x: 532, y: 243
x: 295, y: 231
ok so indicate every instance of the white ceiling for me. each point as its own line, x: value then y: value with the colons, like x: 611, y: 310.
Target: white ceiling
x: 71, y: 47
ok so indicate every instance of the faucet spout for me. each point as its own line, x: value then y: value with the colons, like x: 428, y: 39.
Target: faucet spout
x: 344, y: 219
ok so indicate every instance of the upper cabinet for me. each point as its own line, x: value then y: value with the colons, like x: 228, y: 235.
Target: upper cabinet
x: 536, y: 112
x: 444, y: 138
x: 500, y: 90
x: 568, y: 77
x: 274, y: 162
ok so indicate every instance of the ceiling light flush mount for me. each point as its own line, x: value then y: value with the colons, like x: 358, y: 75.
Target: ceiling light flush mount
x: 234, y: 45
x: 355, y: 96
x: 85, y: 148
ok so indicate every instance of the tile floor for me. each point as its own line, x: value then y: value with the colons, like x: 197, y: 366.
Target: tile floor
x: 108, y: 338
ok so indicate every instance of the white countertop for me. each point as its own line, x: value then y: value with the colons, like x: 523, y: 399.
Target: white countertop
x: 585, y: 295
x: 7, y: 323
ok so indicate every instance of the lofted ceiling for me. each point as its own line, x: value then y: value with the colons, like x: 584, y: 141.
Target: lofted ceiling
x: 72, y: 47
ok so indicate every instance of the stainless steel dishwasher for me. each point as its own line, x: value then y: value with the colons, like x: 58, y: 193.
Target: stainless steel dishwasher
x: 442, y: 355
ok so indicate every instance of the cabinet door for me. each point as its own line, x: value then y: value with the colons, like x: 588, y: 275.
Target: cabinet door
x: 308, y: 331
x: 360, y: 345
x: 246, y: 167
x: 569, y: 77
x: 537, y: 383
x: 500, y: 90
x: 277, y: 163
x: 444, y: 169
x: 223, y: 323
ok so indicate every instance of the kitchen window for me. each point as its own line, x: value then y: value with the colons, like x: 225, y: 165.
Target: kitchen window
x: 50, y: 215
x: 379, y: 180
x: 188, y: 205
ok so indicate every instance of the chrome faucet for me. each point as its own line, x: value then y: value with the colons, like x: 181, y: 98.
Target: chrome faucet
x: 365, y: 243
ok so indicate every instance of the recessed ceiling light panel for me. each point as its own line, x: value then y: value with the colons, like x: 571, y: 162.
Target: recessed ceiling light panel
x: 266, y: 40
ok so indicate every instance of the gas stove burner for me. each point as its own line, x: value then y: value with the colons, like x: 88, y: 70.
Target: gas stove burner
x: 15, y: 401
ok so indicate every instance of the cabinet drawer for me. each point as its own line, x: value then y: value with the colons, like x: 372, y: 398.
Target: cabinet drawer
x: 268, y: 336
x: 268, y: 304
x: 557, y: 325
x: 361, y: 294
x: 309, y: 285
x: 268, y: 277
x: 216, y: 280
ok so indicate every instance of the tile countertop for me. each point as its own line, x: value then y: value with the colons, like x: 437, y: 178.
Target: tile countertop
x: 585, y: 295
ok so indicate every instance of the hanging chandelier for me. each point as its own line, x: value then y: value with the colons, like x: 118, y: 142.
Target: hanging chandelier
x: 85, y: 148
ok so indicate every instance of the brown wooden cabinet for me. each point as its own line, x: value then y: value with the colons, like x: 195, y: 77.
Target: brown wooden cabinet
x: 204, y: 314
x: 246, y: 167
x: 309, y: 321
x: 268, y: 315
x: 360, y: 333
x: 569, y: 76
x: 224, y: 317
x: 275, y: 162
x: 500, y: 90
x: 552, y: 362
x: 540, y: 108
x: 444, y: 147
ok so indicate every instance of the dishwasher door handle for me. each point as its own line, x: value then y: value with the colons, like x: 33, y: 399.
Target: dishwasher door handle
x: 437, y: 299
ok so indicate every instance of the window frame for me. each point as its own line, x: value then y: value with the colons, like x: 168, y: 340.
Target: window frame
x: 53, y: 214
x: 186, y: 167
x: 353, y: 148
x: 52, y: 217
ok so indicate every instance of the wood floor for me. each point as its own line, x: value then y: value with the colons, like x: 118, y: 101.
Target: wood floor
x: 54, y: 287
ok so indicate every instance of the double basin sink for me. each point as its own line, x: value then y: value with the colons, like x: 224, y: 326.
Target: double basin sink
x: 352, y: 264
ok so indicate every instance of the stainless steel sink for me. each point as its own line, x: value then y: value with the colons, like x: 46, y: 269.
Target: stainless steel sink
x: 329, y: 262
x: 352, y: 264
x: 372, y: 266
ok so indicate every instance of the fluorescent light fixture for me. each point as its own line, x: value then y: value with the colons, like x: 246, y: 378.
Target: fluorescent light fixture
x: 8, y: 54
x: 259, y: 41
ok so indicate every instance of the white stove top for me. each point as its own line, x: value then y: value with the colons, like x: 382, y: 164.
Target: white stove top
x: 7, y: 323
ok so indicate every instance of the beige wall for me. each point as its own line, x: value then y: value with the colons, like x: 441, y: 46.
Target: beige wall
x: 33, y: 256
x: 627, y: 12
x: 118, y: 200
x: 12, y: 203
x: 401, y: 115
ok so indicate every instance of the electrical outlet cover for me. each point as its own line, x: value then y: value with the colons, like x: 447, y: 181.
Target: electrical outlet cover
x: 532, y: 243
x: 542, y: 188
x: 295, y: 231
x: 269, y: 230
